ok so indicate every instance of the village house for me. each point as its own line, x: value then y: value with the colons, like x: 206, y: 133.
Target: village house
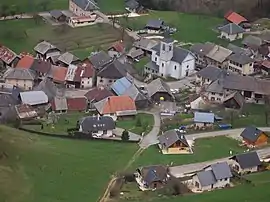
x: 241, y: 64
x: 99, y: 60
x: 240, y: 50
x: 58, y: 16
x: 41, y: 67
x: 152, y: 177
x: 233, y: 17
x: 253, y: 137
x: 86, y: 74
x: 245, y: 163
x: 231, y: 32
x: 134, y: 6
x: 97, y: 126
x: 118, y: 107
x: 23, y: 78
x: 265, y: 67
x: 146, y: 45
x: 253, y: 42
x: 154, y: 26
x: 97, y: 94
x: 134, y: 55
x: 124, y: 86
x: 73, y: 79
x: 211, y: 54
x: 207, y: 75
x: 45, y: 50
x: 110, y: 73
x: 168, y: 60
x: 204, y: 119
x: 212, y: 177
x: 67, y: 59
x: 8, y: 58
x: 80, y: 21
x: 158, y: 90
x: 25, y: 62
x: 33, y: 98
x: 253, y: 89
x: 59, y: 74
x: 59, y: 104
x: 174, y: 142
x: 116, y: 49
x: 82, y: 7
x: 26, y: 112
x: 68, y: 104
x: 234, y: 101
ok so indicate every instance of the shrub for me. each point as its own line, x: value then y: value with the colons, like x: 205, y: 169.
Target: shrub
x: 125, y: 136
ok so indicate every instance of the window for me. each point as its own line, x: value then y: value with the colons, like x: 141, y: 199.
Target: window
x: 100, y: 80
x: 175, y: 67
x: 162, y: 64
x: 110, y: 80
x: 163, y: 47
x: 104, y: 132
x: 155, y: 59
x: 82, y: 81
x: 220, y: 94
x: 161, y: 74
x: 170, y: 48
x: 250, y: 64
x: 212, y: 93
x: 187, y: 66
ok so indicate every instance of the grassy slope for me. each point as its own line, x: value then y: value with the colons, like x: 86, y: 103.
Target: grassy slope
x: 46, y: 169
x: 205, y: 149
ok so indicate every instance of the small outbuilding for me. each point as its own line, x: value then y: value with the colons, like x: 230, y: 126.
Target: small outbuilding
x: 253, y: 137
x: 204, y: 119
x: 231, y: 32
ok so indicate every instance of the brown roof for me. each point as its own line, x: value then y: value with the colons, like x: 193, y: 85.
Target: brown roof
x: 89, y: 70
x: 115, y: 104
x: 97, y: 94
x: 266, y: 64
x: 77, y: 104
x: 118, y: 46
x: 7, y: 55
x: 25, y: 62
x: 41, y: 66
x: 25, y: 111
x: 59, y: 74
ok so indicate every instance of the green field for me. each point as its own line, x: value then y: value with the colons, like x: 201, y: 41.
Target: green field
x: 191, y: 28
x: 35, y: 168
x: 27, y: 6
x: 259, y: 178
x: 23, y: 35
x: 204, y: 149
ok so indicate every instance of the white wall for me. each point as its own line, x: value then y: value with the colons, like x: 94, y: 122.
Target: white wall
x: 101, y: 81
x: 87, y: 83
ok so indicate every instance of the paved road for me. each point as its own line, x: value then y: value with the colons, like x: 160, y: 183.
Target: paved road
x: 151, y: 137
x: 179, y: 171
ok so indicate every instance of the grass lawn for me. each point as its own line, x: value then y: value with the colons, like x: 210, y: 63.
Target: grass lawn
x: 205, y: 149
x: 131, y: 125
x: 191, y: 28
x: 261, y: 177
x: 23, y: 35
x: 241, y: 193
x: 139, y: 66
x: 36, y: 168
x: 112, y: 6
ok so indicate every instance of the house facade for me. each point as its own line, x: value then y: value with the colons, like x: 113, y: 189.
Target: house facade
x: 82, y: 8
x: 172, y: 61
x: 253, y: 137
x: 231, y: 32
x: 241, y: 64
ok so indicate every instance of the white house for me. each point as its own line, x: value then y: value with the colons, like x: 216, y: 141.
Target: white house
x: 231, y: 32
x: 168, y: 60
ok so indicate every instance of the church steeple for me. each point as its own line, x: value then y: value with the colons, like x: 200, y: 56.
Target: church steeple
x: 166, y: 49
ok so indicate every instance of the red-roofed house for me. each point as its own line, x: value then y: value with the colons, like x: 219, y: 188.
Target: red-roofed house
x: 8, y: 57
x: 97, y: 94
x: 25, y: 62
x: 117, y: 107
x: 265, y: 67
x: 87, y: 74
x: 235, y: 18
x: 117, y: 49
x: 77, y: 104
x: 59, y: 74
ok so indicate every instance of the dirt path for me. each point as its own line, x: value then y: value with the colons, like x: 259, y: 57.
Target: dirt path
x: 106, y: 194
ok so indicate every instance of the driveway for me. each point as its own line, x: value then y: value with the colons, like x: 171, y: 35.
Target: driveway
x: 132, y: 136
x: 179, y: 171
x: 152, y: 137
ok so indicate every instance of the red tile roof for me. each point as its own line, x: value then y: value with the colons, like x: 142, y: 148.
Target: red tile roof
x: 235, y: 17
x: 77, y: 104
x: 115, y: 104
x: 7, y: 55
x: 89, y: 70
x: 78, y: 74
x: 118, y: 46
x: 59, y: 74
x: 97, y: 94
x: 25, y: 62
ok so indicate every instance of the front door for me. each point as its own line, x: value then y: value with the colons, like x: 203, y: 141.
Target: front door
x: 187, y: 72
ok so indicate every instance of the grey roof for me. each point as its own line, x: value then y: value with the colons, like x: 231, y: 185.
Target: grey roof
x: 154, y: 173
x: 34, y: 97
x: 206, y: 178
x: 251, y: 133
x: 215, y: 87
x: 100, y: 59
x: 145, y: 44
x: 237, y: 96
x: 60, y: 103
x: 158, y: 85
x: 152, y: 66
x: 56, y: 13
x: 157, y: 24
x: 203, y: 117
x: 97, y: 123
x: 68, y: 58
x: 247, y: 160
x: 20, y: 74
x: 210, y: 72
x: 113, y: 70
x: 179, y: 54
x: 167, y: 40
x: 43, y: 47
x: 170, y: 137
x: 134, y: 53
x: 239, y: 50
x: 252, y: 41
x: 221, y: 170
x: 231, y: 28
x: 86, y: 5
x: 240, y: 59
x: 202, y: 49
x: 219, y: 54
x: 135, y: 93
x: 132, y: 4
